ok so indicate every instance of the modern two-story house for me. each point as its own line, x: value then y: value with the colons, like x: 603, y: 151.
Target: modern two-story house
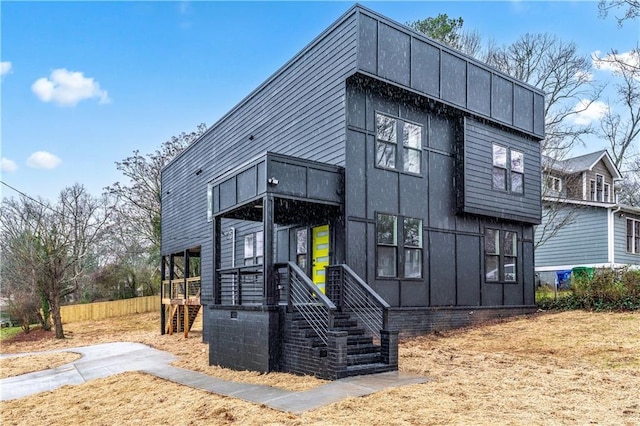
x: 378, y: 183
x: 583, y: 225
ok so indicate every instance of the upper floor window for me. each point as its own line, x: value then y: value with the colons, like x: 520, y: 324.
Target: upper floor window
x: 633, y: 236
x: 398, y: 257
x: 554, y: 184
x: 500, y: 255
x: 408, y: 156
x: 599, y: 190
x: 508, y: 169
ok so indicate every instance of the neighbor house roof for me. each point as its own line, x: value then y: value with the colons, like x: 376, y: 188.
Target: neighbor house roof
x: 582, y: 163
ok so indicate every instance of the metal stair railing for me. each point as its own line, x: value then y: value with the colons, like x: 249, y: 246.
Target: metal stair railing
x: 360, y: 299
x: 312, y: 304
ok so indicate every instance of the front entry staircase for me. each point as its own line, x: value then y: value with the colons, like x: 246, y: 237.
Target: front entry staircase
x: 332, y: 341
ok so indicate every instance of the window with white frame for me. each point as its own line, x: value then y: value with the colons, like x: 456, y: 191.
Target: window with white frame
x: 408, y: 156
x: 508, y: 169
x: 592, y: 190
x: 607, y: 193
x: 500, y: 255
x: 253, y: 248
x: 554, y: 184
x: 599, y: 188
x: 633, y: 236
x: 398, y: 257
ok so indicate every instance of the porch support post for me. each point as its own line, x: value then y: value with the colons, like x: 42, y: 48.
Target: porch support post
x: 270, y: 293
x: 163, y: 319
x: 217, y: 227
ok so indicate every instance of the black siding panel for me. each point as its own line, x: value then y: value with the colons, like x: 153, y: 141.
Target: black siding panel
x: 468, y: 270
x: 393, y: 55
x: 425, y: 68
x: 442, y: 269
x: 479, y: 90
x: 454, y: 79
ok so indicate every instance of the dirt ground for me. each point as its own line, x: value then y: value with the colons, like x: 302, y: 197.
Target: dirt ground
x: 554, y: 368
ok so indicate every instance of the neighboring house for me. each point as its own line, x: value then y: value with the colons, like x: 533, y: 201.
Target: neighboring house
x: 378, y: 183
x: 591, y: 228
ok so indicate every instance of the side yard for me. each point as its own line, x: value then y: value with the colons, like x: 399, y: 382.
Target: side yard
x: 571, y: 367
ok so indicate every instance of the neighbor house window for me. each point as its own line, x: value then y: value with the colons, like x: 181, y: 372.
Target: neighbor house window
x: 607, y: 193
x: 508, y: 169
x: 633, y: 236
x: 398, y: 257
x: 599, y: 188
x: 253, y: 248
x: 500, y: 255
x: 407, y: 157
x: 554, y: 184
x: 592, y: 190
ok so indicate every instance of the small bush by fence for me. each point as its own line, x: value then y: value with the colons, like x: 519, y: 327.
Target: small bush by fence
x: 116, y: 308
x: 607, y: 289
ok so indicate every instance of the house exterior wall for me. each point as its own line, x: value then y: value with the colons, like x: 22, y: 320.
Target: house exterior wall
x: 621, y: 256
x: 582, y: 242
x: 298, y: 111
x: 478, y: 194
x: 453, y: 243
x: 400, y: 56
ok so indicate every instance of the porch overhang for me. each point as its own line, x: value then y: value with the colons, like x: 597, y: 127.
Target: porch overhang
x: 296, y: 185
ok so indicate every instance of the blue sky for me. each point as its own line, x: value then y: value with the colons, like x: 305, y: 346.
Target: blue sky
x: 85, y: 84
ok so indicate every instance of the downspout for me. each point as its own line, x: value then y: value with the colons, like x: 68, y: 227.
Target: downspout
x: 612, y: 234
x: 233, y: 264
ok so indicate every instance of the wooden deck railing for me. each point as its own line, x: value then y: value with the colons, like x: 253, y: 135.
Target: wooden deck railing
x: 182, y: 289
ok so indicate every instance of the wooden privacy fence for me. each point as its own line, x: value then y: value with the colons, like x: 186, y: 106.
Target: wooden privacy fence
x: 116, y: 308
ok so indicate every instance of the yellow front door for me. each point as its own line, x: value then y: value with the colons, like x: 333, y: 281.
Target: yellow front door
x: 320, y: 236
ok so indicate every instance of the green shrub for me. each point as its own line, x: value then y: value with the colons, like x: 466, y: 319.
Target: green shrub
x: 607, y: 289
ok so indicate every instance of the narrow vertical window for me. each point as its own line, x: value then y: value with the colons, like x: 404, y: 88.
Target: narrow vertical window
x: 599, y: 187
x: 607, y: 193
x: 592, y: 190
x: 499, y: 167
x: 510, y: 255
x: 636, y: 236
x: 386, y: 141
x: 412, y: 239
x: 630, y: 236
x: 492, y: 254
x: 248, y: 249
x: 301, y: 248
x: 259, y: 246
x: 412, y: 147
x: 209, y: 203
x: 387, y: 241
x: 517, y: 172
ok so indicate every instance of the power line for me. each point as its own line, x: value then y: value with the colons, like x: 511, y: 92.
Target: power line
x: 29, y: 197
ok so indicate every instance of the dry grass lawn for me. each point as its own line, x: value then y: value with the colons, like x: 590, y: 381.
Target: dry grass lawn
x: 560, y: 368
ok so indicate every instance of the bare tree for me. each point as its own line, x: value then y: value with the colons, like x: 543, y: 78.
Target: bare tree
x: 557, y: 68
x: 50, y: 243
x: 141, y: 196
x: 630, y: 9
x: 450, y: 32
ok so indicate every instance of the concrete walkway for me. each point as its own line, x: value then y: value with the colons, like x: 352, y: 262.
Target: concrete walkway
x: 104, y: 360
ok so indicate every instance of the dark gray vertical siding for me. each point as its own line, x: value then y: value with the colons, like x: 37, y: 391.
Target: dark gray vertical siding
x: 402, y: 56
x: 299, y: 111
x: 479, y: 195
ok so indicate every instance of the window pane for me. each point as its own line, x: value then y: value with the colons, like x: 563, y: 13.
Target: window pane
x: 386, y: 128
x: 592, y: 190
x: 629, y: 235
x: 386, y: 155
x: 387, y: 229
x: 510, y: 244
x: 259, y: 243
x: 411, y: 160
x: 301, y: 241
x: 517, y: 182
x: 517, y: 162
x: 413, y: 263
x: 637, y: 237
x: 491, y: 268
x: 412, y: 232
x: 499, y: 156
x: 248, y: 246
x: 386, y: 261
x: 499, y: 178
x: 491, y: 241
x: 412, y: 136
x: 510, y: 269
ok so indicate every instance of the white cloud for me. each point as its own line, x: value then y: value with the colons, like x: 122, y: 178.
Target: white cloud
x: 8, y: 166
x: 589, y: 111
x: 614, y: 63
x: 5, y: 68
x: 68, y: 88
x: 43, y: 160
